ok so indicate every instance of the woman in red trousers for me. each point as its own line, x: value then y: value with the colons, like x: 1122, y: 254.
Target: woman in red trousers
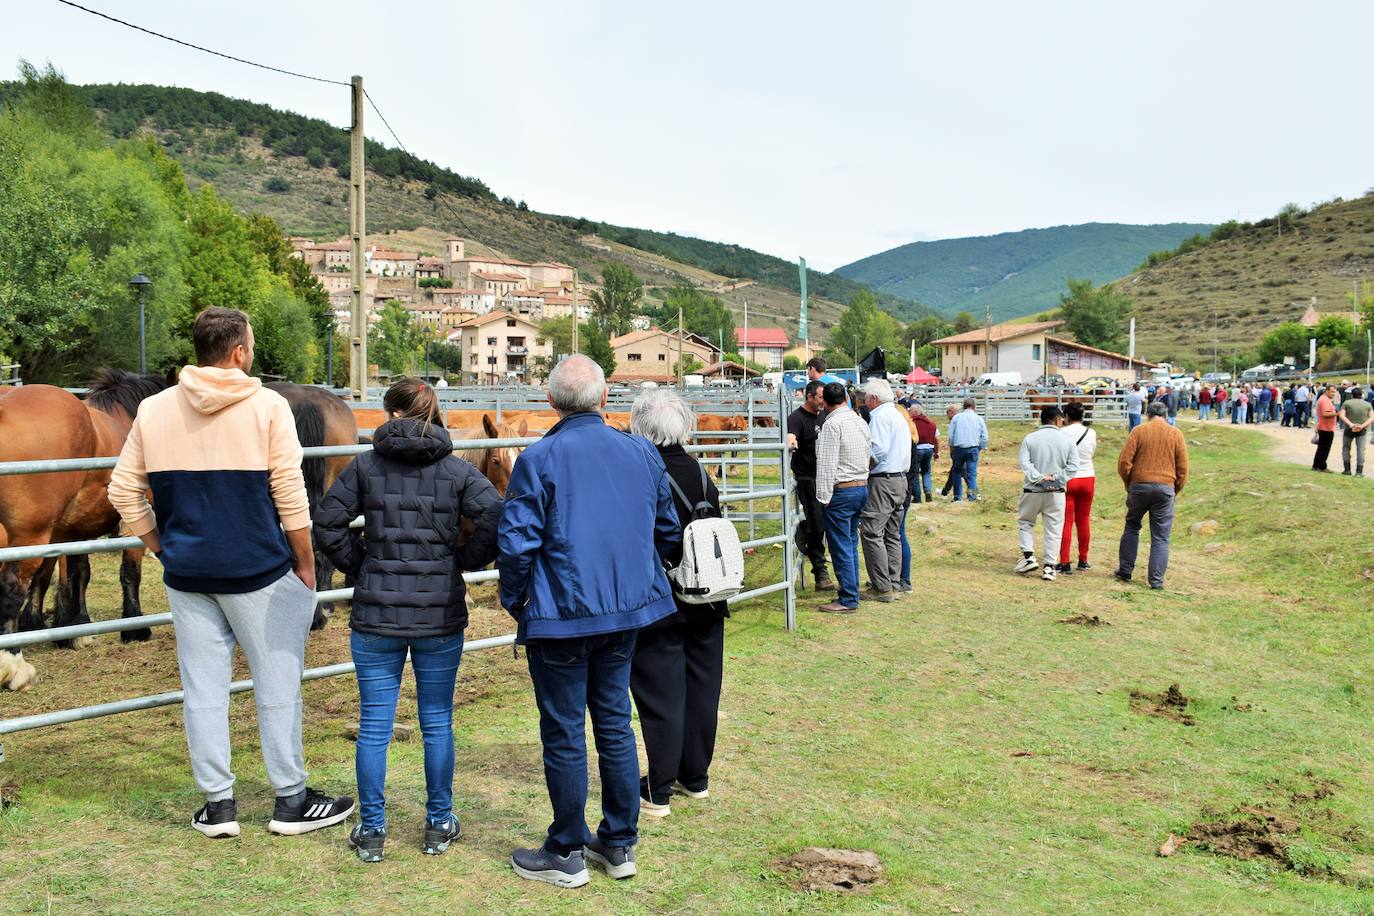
x: 1078, y: 495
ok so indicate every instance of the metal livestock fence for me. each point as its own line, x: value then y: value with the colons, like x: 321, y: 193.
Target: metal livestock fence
x: 772, y: 454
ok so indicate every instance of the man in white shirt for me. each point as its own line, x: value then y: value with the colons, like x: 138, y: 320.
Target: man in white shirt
x: 881, y: 531
x: 1048, y: 460
x: 1302, y: 406
x: 842, y: 453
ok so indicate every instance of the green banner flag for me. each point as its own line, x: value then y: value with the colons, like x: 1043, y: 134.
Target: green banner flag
x: 801, y: 320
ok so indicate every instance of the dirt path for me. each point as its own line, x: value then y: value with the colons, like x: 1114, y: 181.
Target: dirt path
x: 1291, y: 444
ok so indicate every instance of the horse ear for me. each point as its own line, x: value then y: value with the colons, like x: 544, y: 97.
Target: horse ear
x: 524, y: 427
x: 489, y: 427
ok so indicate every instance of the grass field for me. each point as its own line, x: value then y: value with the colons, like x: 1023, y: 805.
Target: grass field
x: 992, y: 756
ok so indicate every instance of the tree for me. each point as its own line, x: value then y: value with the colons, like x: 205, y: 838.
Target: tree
x: 687, y: 365
x: 614, y: 304
x: 1095, y: 316
x: 932, y: 327
x: 701, y: 314
x: 1287, y: 340
x: 790, y: 363
x: 861, y: 328
x: 591, y: 341
x: 963, y: 323
x: 1334, y: 331
x: 395, y: 343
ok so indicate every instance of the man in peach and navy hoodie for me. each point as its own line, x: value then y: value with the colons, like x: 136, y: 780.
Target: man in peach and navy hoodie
x: 231, y: 525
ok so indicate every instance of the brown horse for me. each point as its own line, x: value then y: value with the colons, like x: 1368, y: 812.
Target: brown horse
x: 322, y: 418
x: 495, y: 464
x: 43, y: 422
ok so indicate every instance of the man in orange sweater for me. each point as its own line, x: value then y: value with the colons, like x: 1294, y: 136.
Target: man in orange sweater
x: 1154, y: 467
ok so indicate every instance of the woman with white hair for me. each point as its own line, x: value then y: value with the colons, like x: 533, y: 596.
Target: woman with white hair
x: 676, y: 674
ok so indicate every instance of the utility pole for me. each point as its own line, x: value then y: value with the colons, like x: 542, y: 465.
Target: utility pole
x: 987, y: 337
x: 746, y: 331
x: 1214, y: 340
x: 574, y: 312
x: 680, y: 367
x: 357, y: 228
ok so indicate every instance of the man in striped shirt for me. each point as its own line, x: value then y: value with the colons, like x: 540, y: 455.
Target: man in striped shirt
x: 842, y: 454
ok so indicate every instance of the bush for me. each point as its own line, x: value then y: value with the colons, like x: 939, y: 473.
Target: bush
x: 277, y: 185
x: 315, y: 157
x: 790, y: 363
x: 435, y: 282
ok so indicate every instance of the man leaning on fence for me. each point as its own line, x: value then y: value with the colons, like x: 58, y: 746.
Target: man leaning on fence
x: 587, y: 523
x: 890, y: 447
x: 231, y: 525
x: 803, y: 431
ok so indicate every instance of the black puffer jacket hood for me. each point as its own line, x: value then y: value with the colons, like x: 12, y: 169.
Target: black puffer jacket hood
x: 407, y: 562
x: 412, y: 441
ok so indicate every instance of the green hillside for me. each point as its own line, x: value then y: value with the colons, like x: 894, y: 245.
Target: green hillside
x: 1014, y: 273
x: 1250, y: 278
x: 294, y: 169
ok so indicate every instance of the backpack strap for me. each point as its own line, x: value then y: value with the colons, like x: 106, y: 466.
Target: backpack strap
x: 697, y: 509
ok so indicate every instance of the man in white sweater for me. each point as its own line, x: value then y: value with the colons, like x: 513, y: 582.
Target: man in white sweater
x: 1048, y: 460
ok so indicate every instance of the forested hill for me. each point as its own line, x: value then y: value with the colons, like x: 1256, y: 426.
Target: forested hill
x: 242, y: 146
x: 1015, y: 273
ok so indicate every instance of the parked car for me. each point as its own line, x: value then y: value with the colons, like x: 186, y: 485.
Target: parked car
x: 1051, y: 381
x: 1217, y: 378
x: 998, y: 380
x: 1098, y: 382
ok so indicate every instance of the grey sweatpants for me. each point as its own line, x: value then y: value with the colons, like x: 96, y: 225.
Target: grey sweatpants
x: 1050, y: 506
x: 1157, y: 501
x: 881, y: 531
x: 270, y: 625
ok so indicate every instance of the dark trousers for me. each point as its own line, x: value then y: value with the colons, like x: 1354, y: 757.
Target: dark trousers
x: 1157, y: 501
x: 572, y: 677
x: 675, y: 680
x: 811, y: 531
x: 1324, y: 440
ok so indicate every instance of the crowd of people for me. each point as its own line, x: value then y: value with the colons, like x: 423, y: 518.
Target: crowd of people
x: 598, y: 607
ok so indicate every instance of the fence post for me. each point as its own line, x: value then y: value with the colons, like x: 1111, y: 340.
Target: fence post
x: 789, y: 596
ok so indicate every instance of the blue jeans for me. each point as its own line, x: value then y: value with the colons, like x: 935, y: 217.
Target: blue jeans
x: 380, y: 661
x: 924, y: 457
x: 572, y: 676
x: 965, y: 459
x: 1204, y: 412
x: 1239, y: 415
x: 842, y: 531
x: 1132, y: 421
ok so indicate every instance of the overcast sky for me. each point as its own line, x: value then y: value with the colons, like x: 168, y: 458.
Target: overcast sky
x: 827, y: 130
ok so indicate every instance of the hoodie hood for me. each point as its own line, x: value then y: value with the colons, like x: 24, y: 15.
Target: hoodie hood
x: 210, y: 390
x: 412, y: 441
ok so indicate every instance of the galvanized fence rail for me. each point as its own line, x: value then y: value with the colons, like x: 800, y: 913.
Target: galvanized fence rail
x: 786, y: 584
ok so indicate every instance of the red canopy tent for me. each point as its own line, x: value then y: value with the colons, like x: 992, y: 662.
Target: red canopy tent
x: 919, y: 376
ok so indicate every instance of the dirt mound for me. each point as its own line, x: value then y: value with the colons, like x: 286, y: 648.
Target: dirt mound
x: 1248, y: 833
x: 1171, y: 704
x: 844, y: 870
x: 1084, y: 620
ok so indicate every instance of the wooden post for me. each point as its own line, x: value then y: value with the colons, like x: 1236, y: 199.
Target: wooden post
x: 357, y: 228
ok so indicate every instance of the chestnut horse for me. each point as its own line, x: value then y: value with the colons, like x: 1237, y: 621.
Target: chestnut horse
x: 43, y: 422
x: 322, y: 418
x: 495, y: 464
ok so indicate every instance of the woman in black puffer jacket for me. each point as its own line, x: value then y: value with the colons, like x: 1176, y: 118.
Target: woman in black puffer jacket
x: 408, y: 593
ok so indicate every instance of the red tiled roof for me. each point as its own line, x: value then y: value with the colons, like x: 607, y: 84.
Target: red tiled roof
x: 761, y: 337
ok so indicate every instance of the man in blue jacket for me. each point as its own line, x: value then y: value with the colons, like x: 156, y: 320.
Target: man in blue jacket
x: 588, y: 518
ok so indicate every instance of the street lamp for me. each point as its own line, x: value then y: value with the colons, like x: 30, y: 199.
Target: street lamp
x: 141, y: 283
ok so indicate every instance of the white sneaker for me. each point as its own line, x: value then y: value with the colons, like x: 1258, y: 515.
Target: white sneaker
x: 654, y: 809
x: 1049, y: 574
x: 1026, y: 564
x: 680, y: 789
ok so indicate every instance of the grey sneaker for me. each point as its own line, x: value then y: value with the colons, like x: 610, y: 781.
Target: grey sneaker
x: 368, y: 842
x: 551, y: 868
x: 439, y: 836
x: 616, y: 861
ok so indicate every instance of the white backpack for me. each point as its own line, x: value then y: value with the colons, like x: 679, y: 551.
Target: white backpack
x: 712, y: 567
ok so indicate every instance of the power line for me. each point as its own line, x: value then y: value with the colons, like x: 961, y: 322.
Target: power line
x: 187, y: 44
x: 456, y: 215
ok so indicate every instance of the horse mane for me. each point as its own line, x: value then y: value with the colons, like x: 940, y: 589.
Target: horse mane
x: 116, y: 388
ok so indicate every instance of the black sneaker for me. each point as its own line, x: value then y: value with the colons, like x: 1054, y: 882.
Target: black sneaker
x: 316, y: 811
x: 1121, y: 576
x: 551, y: 868
x: 1064, y: 568
x: 217, y: 819
x: 438, y: 836
x: 368, y: 842
x: 1083, y: 565
x: 616, y: 861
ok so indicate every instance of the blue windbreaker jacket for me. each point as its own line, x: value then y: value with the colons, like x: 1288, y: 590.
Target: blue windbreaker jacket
x: 588, y: 517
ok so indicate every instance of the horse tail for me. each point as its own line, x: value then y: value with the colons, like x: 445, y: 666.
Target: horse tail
x: 310, y: 430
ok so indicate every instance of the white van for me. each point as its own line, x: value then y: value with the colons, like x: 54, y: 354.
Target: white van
x: 999, y: 380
